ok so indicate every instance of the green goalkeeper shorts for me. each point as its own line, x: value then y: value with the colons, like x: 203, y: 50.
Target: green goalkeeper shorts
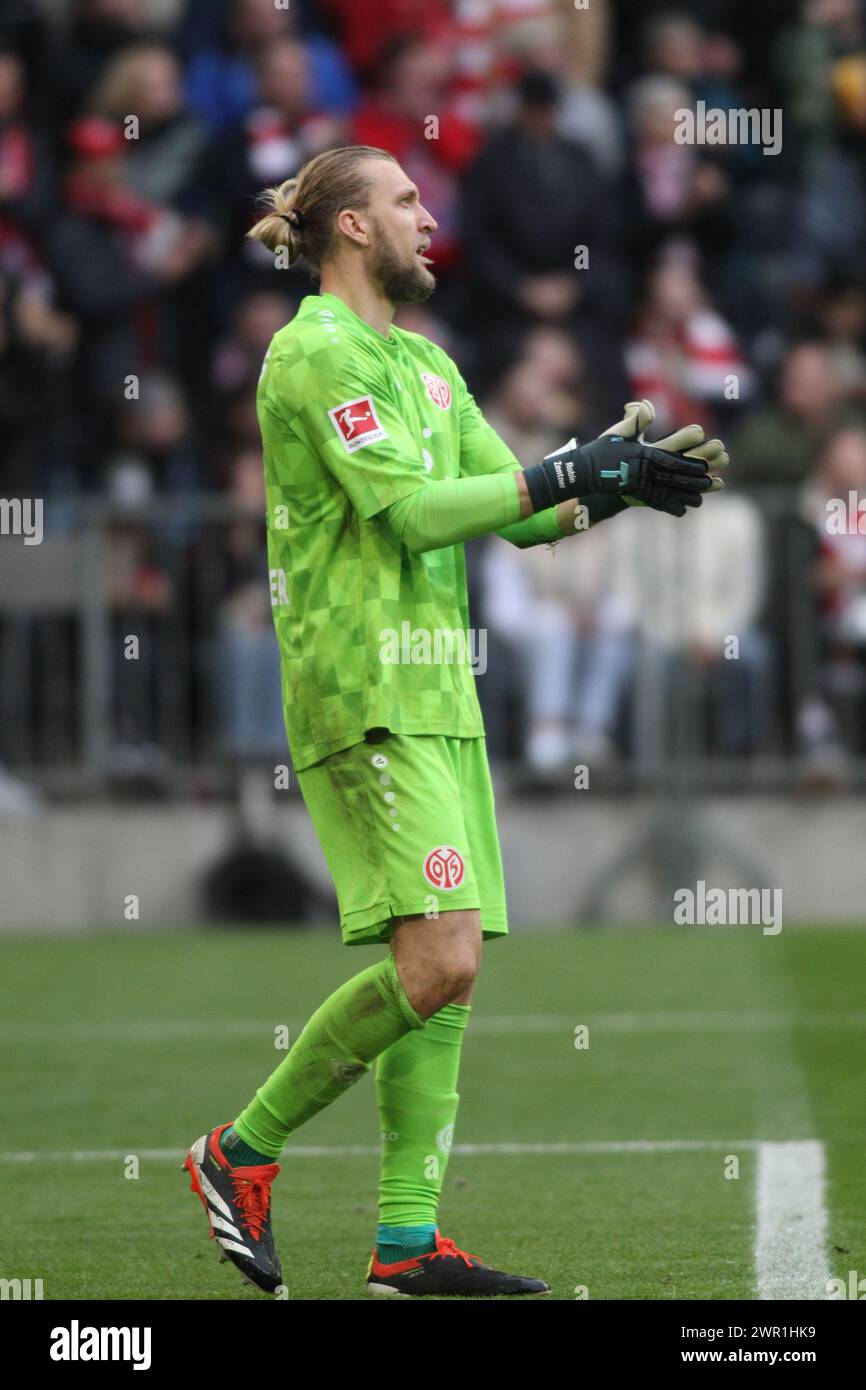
x: 407, y: 825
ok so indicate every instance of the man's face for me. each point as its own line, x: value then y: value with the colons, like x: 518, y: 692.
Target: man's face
x: 400, y: 228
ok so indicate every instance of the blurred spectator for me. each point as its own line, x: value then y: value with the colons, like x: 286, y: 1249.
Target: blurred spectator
x: 681, y: 354
x: 834, y: 502
x: 25, y: 162
x: 573, y: 634
x: 803, y: 58
x: 236, y: 367
x: 531, y: 200
x: 697, y: 587
x: 530, y: 400
x: 282, y: 130
x: 842, y: 314
x: 36, y: 347
x: 560, y: 618
x: 164, y: 154
x: 154, y: 435
x: 504, y: 39
x: 675, y: 190
x: 92, y: 33
x: 238, y: 358
x: 492, y: 42
x: 410, y: 112
x: 141, y: 596
x: 249, y: 658
x: 365, y: 31
x: 674, y: 46
x: 112, y: 252
x: 221, y: 81
x: 557, y: 355
x: 833, y: 211
x: 778, y: 443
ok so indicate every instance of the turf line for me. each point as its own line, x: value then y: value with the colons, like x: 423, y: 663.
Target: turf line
x: 791, y: 1236
x: 600, y: 1146
x: 163, y: 1030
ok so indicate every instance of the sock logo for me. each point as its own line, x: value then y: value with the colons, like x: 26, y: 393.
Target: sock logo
x: 347, y: 1072
x: 445, y: 1138
x: 444, y: 868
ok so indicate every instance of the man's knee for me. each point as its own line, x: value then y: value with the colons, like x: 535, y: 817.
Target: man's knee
x: 437, y: 959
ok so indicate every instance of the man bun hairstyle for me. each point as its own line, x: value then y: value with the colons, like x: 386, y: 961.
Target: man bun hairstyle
x: 302, y: 211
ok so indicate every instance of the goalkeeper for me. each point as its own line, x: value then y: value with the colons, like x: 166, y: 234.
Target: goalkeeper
x: 378, y: 465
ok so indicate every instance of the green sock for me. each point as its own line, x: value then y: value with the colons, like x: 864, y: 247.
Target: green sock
x: 239, y: 1154
x: 416, y: 1092
x: 395, y: 1243
x: 360, y: 1019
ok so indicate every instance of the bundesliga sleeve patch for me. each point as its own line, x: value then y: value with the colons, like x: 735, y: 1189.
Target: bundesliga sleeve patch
x: 357, y: 423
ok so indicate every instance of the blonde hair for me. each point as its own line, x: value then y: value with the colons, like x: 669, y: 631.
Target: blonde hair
x: 303, y: 210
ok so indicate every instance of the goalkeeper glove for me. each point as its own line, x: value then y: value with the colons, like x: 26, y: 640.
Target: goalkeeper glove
x: 620, y: 462
x: 690, y: 441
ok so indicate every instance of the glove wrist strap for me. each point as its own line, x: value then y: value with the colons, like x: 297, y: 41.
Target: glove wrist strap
x: 559, y: 476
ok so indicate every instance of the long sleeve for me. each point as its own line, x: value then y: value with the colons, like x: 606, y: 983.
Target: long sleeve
x: 454, y: 510
x: 484, y: 453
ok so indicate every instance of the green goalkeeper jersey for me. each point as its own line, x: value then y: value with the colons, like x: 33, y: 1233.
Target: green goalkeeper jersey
x: 371, y: 633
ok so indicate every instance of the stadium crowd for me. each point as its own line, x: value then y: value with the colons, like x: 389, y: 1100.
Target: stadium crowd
x: 726, y: 284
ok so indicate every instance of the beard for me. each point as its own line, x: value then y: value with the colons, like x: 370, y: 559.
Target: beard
x: 403, y: 280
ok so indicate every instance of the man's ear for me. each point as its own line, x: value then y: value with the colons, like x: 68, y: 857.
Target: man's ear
x: 353, y: 227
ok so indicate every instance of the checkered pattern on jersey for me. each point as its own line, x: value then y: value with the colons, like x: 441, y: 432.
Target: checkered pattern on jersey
x: 352, y: 421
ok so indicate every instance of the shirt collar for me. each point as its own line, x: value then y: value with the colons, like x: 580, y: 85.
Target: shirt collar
x: 342, y: 310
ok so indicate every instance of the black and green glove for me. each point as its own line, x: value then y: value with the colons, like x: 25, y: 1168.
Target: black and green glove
x: 669, y: 475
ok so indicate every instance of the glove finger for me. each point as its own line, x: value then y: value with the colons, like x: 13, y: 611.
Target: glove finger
x: 681, y: 441
x: 672, y: 480
x: 645, y: 415
x: 713, y: 452
x: 672, y: 503
x: 637, y: 416
x: 717, y: 484
x: 675, y: 482
x: 667, y: 465
x: 669, y: 503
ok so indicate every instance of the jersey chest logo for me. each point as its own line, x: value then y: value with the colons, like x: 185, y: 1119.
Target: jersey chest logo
x: 357, y: 423
x: 438, y: 390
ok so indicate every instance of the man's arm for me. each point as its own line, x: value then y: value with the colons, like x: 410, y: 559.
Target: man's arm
x: 462, y: 509
x: 484, y: 453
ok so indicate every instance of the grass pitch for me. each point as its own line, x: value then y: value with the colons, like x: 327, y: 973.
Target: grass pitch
x: 601, y: 1168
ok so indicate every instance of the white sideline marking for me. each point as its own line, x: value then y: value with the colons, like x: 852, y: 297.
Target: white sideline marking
x: 675, y: 1021
x: 791, y: 1236
x: 590, y: 1146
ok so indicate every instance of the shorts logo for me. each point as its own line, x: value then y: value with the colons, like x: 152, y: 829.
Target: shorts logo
x: 444, y: 868
x: 357, y: 423
x: 438, y: 390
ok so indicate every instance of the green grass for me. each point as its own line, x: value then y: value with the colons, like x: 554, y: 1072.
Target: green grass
x: 143, y: 1042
